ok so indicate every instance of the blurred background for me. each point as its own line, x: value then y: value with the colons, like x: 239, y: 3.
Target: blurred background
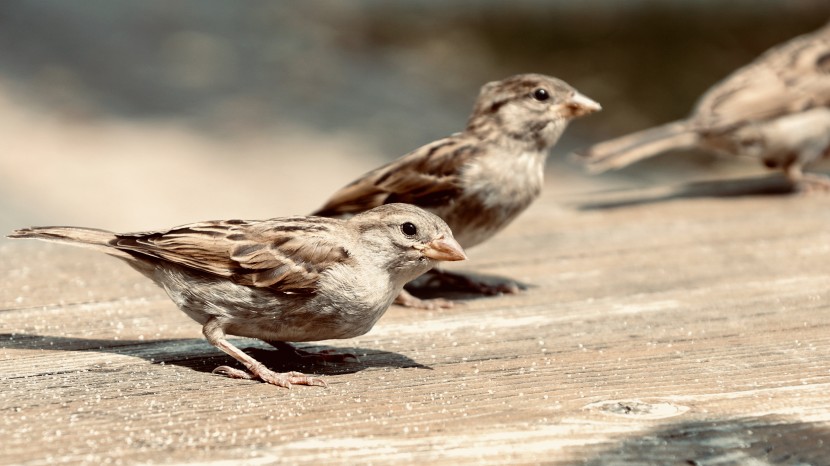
x: 132, y: 115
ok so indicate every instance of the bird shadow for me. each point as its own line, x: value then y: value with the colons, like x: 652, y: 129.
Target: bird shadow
x: 461, y: 286
x: 727, y: 441
x: 742, y: 187
x: 199, y: 355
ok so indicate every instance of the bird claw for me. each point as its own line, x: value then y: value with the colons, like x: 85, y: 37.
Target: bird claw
x: 493, y: 289
x: 405, y: 299
x: 284, y: 379
x: 809, y: 183
x: 232, y: 373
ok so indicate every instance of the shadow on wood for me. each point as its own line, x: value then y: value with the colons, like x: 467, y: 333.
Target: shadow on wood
x: 196, y: 354
x: 751, y: 440
x: 762, y: 186
x: 462, y: 285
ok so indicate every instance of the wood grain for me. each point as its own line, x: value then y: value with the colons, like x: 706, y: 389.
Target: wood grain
x: 676, y: 326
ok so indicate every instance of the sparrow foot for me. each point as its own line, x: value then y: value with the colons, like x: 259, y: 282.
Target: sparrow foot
x: 284, y: 379
x: 406, y: 299
x: 809, y: 183
x: 256, y: 370
x: 806, y: 183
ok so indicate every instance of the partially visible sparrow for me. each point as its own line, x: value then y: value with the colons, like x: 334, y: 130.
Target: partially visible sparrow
x: 279, y: 280
x: 478, y: 180
x: 744, y: 114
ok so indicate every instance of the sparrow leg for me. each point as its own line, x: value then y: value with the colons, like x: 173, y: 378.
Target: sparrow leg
x: 459, y: 281
x: 324, y: 356
x: 215, y: 334
x: 807, y: 182
x: 405, y: 299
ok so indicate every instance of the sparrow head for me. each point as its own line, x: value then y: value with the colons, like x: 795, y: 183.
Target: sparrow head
x: 406, y: 239
x: 529, y: 109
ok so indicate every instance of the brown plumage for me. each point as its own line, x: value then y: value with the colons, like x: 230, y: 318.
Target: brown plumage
x: 478, y: 180
x: 279, y: 280
x: 785, y: 91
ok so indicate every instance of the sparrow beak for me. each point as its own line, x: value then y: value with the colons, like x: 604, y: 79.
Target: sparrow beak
x: 580, y: 105
x: 444, y: 249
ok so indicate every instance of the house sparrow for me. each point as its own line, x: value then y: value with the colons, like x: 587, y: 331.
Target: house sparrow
x: 478, y: 180
x: 284, y: 279
x: 744, y: 114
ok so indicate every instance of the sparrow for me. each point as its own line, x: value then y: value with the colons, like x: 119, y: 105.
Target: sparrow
x: 480, y: 179
x: 774, y: 109
x: 279, y: 280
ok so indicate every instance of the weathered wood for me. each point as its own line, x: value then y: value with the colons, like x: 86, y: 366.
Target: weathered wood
x: 659, y: 328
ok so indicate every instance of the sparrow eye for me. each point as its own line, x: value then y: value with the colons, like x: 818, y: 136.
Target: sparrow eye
x: 541, y: 95
x: 409, y: 229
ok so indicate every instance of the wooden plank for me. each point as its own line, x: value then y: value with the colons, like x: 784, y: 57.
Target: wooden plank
x: 658, y: 328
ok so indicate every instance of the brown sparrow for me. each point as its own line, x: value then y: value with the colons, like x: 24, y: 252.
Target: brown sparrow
x: 774, y: 108
x: 280, y: 280
x: 478, y: 180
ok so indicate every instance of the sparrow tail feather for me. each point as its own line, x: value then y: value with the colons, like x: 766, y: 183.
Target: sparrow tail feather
x: 625, y: 150
x: 100, y: 240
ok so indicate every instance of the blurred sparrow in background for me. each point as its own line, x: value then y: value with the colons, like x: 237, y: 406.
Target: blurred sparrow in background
x: 478, y: 180
x: 280, y: 280
x: 775, y: 109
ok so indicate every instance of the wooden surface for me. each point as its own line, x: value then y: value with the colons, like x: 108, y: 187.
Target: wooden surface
x: 687, y: 326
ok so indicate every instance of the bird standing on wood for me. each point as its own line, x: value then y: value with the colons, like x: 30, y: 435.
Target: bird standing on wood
x: 279, y: 280
x: 480, y: 179
x: 776, y: 108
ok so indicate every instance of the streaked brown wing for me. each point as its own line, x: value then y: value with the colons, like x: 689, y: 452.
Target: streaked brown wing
x: 286, y: 255
x: 425, y: 177
x: 790, y: 77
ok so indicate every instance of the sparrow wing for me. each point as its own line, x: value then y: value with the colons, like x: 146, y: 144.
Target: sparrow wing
x: 287, y: 255
x: 788, y: 78
x: 427, y: 176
